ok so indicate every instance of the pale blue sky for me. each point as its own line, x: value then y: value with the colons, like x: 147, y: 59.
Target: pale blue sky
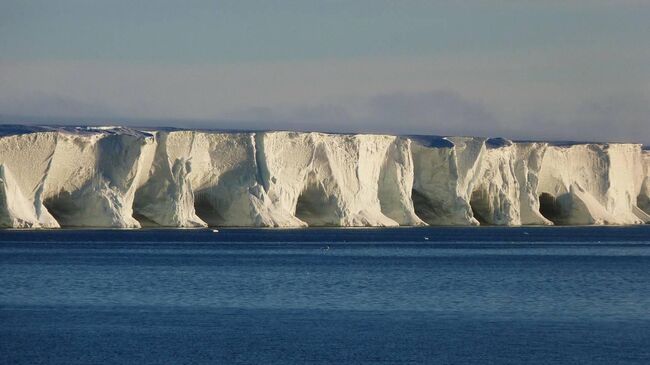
x: 574, y: 69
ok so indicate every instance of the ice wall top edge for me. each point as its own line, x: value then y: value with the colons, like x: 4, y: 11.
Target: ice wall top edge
x: 438, y: 141
x: 17, y: 129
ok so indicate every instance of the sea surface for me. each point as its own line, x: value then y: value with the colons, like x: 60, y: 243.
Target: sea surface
x: 483, y: 295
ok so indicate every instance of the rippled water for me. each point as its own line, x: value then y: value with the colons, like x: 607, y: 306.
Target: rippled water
x: 425, y: 295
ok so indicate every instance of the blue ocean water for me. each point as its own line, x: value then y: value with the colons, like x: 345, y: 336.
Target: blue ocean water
x: 488, y: 295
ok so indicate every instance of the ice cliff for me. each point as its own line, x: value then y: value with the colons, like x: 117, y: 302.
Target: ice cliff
x: 643, y: 201
x: 124, y: 178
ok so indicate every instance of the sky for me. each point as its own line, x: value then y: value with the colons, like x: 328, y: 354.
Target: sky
x: 561, y: 70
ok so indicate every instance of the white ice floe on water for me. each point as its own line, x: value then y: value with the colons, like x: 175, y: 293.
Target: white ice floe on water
x: 124, y: 178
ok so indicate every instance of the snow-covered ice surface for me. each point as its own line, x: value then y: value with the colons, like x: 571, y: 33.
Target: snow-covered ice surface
x: 124, y: 178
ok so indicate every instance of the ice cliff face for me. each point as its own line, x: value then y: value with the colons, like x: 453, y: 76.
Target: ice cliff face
x: 571, y: 193
x: 26, y: 161
x: 123, y: 178
x: 91, y: 180
x: 77, y: 178
x: 338, y: 180
x: 211, y: 179
x: 471, y: 181
x: 506, y: 191
x: 446, y: 171
x: 643, y: 200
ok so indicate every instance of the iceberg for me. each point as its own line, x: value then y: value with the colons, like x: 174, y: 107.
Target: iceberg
x: 116, y: 177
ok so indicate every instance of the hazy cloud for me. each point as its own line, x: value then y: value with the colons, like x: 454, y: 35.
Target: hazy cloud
x: 446, y: 112
x: 553, y: 69
x: 441, y: 111
x: 41, y: 105
x: 523, y: 96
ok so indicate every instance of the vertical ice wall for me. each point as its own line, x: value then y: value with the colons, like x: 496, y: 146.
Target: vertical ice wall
x: 495, y: 196
x: 528, y: 163
x: 92, y: 177
x: 445, y: 173
x: 15, y: 209
x: 396, y: 184
x: 25, y: 160
x: 117, y: 177
x: 505, y: 192
x: 164, y: 194
x: 277, y: 179
x: 227, y: 182
x: 203, y: 178
x: 643, y: 200
x: 591, y: 183
x: 76, y: 177
x: 336, y: 180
